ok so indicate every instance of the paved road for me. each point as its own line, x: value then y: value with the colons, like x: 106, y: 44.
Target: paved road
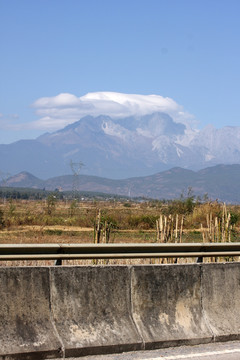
x: 217, y: 351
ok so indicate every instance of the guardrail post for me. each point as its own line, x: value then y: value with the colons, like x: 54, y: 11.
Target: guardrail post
x: 58, y: 262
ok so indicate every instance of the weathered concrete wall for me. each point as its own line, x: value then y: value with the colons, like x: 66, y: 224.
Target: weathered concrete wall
x: 52, y: 312
x: 167, y: 305
x: 92, y: 310
x: 221, y: 299
x: 26, y: 327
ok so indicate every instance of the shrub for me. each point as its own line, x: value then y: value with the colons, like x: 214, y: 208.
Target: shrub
x: 143, y: 221
x: 235, y: 217
x: 2, y: 221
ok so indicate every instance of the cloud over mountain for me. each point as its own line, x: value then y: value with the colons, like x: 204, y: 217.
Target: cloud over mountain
x: 63, y: 109
x: 120, y: 147
x: 118, y: 135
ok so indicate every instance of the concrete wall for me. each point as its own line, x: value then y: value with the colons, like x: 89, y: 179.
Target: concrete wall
x: 54, y: 312
x: 26, y: 325
x: 167, y: 305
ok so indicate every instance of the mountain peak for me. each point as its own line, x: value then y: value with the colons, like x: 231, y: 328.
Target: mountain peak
x: 123, y: 147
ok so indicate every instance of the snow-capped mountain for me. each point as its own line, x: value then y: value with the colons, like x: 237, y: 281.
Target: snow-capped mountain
x: 121, y: 147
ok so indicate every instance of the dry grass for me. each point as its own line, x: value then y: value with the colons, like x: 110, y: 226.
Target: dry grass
x: 29, y: 222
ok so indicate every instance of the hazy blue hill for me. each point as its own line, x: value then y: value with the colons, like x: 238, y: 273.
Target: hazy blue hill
x: 25, y: 179
x: 31, y: 156
x: 219, y: 182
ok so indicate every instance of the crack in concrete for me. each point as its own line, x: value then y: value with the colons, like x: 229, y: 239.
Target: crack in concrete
x: 205, y: 318
x: 131, y: 269
x: 62, y: 349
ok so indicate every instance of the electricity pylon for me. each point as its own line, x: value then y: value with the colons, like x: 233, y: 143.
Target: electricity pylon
x: 4, y: 177
x: 76, y: 168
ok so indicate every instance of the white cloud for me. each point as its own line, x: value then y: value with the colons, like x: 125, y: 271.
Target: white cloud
x: 58, y: 111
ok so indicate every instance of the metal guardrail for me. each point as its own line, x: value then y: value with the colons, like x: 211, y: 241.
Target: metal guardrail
x: 61, y: 252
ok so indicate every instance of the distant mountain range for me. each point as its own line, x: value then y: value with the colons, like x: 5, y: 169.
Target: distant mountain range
x: 219, y: 182
x: 122, y: 148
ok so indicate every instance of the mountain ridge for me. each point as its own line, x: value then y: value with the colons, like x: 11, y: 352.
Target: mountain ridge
x: 122, y: 147
x: 219, y: 182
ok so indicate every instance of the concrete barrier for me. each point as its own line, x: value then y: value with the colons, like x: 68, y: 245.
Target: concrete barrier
x: 26, y: 327
x: 57, y: 312
x: 92, y: 310
x: 167, y: 305
x: 221, y: 299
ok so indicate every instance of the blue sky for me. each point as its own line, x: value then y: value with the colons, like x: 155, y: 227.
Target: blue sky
x: 185, y: 50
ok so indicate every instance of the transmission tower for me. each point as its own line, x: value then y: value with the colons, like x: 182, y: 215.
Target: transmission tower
x: 3, y: 181
x: 4, y: 177
x: 76, y: 168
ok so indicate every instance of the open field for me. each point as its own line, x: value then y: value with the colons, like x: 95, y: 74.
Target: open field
x: 58, y: 221
x: 73, y: 234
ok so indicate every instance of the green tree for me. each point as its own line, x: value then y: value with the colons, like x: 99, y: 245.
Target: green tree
x: 51, y: 204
